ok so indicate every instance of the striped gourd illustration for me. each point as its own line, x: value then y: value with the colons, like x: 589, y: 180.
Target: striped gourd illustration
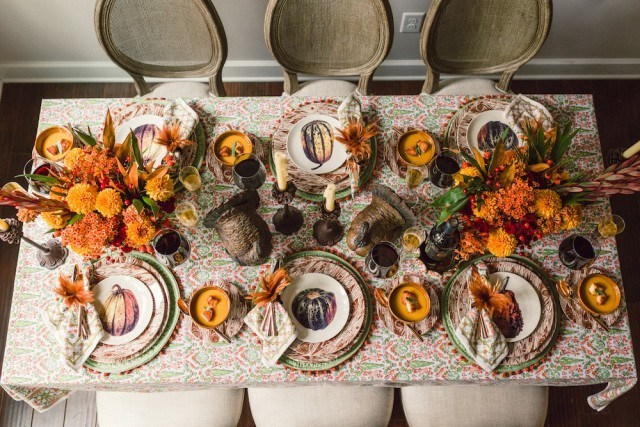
x: 317, y: 142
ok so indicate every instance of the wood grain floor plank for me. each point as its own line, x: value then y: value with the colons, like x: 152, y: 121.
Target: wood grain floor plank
x: 617, y: 112
x: 54, y: 417
x: 81, y: 410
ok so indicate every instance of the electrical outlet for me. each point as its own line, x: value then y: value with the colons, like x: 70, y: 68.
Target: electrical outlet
x: 411, y: 22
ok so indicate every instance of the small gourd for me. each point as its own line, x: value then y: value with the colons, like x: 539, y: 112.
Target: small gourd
x: 121, y: 312
x: 317, y: 142
x: 315, y: 308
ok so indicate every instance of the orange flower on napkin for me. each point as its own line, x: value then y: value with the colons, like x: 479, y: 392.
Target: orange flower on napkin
x: 271, y: 286
x: 73, y: 292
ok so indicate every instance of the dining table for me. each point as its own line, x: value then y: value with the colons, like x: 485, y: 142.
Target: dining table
x: 33, y: 371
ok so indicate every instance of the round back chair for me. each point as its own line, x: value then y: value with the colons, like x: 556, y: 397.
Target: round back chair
x: 482, y: 37
x: 329, y: 38
x: 163, y: 38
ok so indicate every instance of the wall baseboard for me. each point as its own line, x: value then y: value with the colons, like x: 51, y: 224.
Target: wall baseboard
x: 267, y: 71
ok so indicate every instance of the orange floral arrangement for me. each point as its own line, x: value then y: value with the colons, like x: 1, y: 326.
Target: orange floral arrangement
x: 509, y: 198
x: 104, y: 195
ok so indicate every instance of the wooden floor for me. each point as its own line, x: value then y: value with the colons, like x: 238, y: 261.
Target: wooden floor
x: 618, y: 113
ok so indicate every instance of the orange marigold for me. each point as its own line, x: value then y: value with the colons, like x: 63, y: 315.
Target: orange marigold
x: 73, y: 157
x: 54, y: 220
x: 26, y: 215
x: 139, y: 228
x: 547, y: 203
x: 468, y: 171
x: 93, y: 165
x: 109, y: 202
x: 489, y: 210
x: 516, y: 200
x: 549, y: 225
x: 500, y: 243
x: 81, y: 198
x: 160, y: 189
x: 471, y: 243
x: 90, y: 235
x: 570, y: 217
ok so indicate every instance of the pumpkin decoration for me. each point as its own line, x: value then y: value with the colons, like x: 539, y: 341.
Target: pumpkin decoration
x: 315, y: 308
x: 317, y: 142
x: 121, y: 312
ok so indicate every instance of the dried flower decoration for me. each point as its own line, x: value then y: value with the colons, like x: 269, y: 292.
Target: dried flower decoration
x: 271, y: 285
x: 74, y: 292
x: 486, y: 295
x: 356, y: 135
x: 170, y: 137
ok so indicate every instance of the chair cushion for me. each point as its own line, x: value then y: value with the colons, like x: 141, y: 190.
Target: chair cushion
x: 326, y: 88
x: 195, y: 408
x: 180, y: 89
x: 467, y: 86
x: 478, y: 406
x: 320, y: 406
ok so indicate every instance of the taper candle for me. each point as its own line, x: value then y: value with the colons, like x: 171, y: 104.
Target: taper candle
x: 280, y: 161
x: 631, y: 150
x: 330, y: 197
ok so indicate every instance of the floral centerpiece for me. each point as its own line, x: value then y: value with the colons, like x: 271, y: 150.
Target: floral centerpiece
x: 510, y: 198
x: 104, y: 195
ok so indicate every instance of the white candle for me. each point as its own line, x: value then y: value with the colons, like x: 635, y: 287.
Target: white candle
x: 631, y: 150
x: 280, y: 161
x: 330, y: 197
x: 4, y: 225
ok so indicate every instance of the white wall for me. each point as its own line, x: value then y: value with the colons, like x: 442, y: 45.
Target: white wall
x: 55, y: 41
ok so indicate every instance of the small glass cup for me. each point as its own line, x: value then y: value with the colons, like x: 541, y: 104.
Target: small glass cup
x: 578, y: 251
x: 412, y: 238
x: 415, y: 176
x: 187, y: 214
x: 39, y: 166
x: 443, y: 167
x: 249, y: 172
x: 383, y: 260
x: 610, y: 226
x: 190, y: 178
x: 171, y: 247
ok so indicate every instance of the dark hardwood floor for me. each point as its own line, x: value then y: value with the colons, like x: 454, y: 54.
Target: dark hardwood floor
x: 618, y: 113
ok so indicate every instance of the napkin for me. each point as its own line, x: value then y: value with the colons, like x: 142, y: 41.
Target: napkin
x: 350, y: 107
x: 179, y: 110
x: 482, y: 339
x: 272, y: 346
x: 523, y: 109
x: 63, y: 320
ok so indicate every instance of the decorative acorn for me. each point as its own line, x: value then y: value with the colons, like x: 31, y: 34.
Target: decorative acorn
x: 328, y: 230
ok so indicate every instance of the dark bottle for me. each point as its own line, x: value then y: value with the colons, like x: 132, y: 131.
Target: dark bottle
x: 437, y: 251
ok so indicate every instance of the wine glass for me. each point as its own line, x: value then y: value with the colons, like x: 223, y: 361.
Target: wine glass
x: 578, y: 251
x: 443, y: 167
x: 187, y: 214
x: 190, y: 178
x: 610, y: 226
x: 249, y: 172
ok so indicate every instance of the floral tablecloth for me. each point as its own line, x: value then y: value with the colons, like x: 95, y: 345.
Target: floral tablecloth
x: 34, y: 372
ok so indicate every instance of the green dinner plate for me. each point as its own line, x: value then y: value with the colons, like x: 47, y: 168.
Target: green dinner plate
x: 173, y: 293
x: 357, y: 343
x: 451, y: 330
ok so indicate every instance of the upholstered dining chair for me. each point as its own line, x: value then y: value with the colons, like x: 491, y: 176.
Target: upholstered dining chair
x: 166, y: 39
x: 477, y: 406
x: 480, y: 37
x: 321, y: 406
x: 194, y: 408
x: 328, y: 38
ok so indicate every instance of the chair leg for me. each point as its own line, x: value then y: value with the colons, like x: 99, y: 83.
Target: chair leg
x: 216, y: 87
x: 141, y: 85
x: 291, y: 84
x: 430, y: 81
x: 363, y: 83
x: 505, y: 81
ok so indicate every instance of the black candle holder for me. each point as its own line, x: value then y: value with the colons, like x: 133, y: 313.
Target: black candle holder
x: 51, y: 254
x: 328, y: 230
x: 288, y: 220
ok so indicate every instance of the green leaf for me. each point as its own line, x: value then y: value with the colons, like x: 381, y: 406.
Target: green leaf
x: 152, y: 204
x: 42, y: 178
x: 136, y: 150
x: 137, y: 203
x: 497, y: 157
x: 77, y: 217
x: 85, y: 138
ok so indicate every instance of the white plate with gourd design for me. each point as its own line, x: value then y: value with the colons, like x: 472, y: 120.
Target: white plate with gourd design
x: 125, y: 306
x: 312, y: 146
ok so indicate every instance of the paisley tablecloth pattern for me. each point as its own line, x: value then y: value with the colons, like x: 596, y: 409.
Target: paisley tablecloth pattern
x: 580, y: 356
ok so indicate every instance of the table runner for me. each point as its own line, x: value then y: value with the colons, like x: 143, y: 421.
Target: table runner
x: 580, y: 356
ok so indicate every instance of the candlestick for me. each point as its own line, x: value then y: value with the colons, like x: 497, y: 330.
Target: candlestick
x: 635, y: 148
x: 328, y: 230
x: 288, y: 219
x: 280, y: 160
x: 330, y: 197
x: 51, y: 254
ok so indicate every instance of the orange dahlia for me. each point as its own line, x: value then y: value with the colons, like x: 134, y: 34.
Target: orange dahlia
x: 81, y: 198
x: 500, y: 243
x: 547, y: 203
x: 54, y: 220
x: 160, y: 188
x: 72, y: 158
x: 109, y: 202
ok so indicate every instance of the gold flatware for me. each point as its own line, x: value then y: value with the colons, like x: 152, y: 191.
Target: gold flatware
x: 567, y: 292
